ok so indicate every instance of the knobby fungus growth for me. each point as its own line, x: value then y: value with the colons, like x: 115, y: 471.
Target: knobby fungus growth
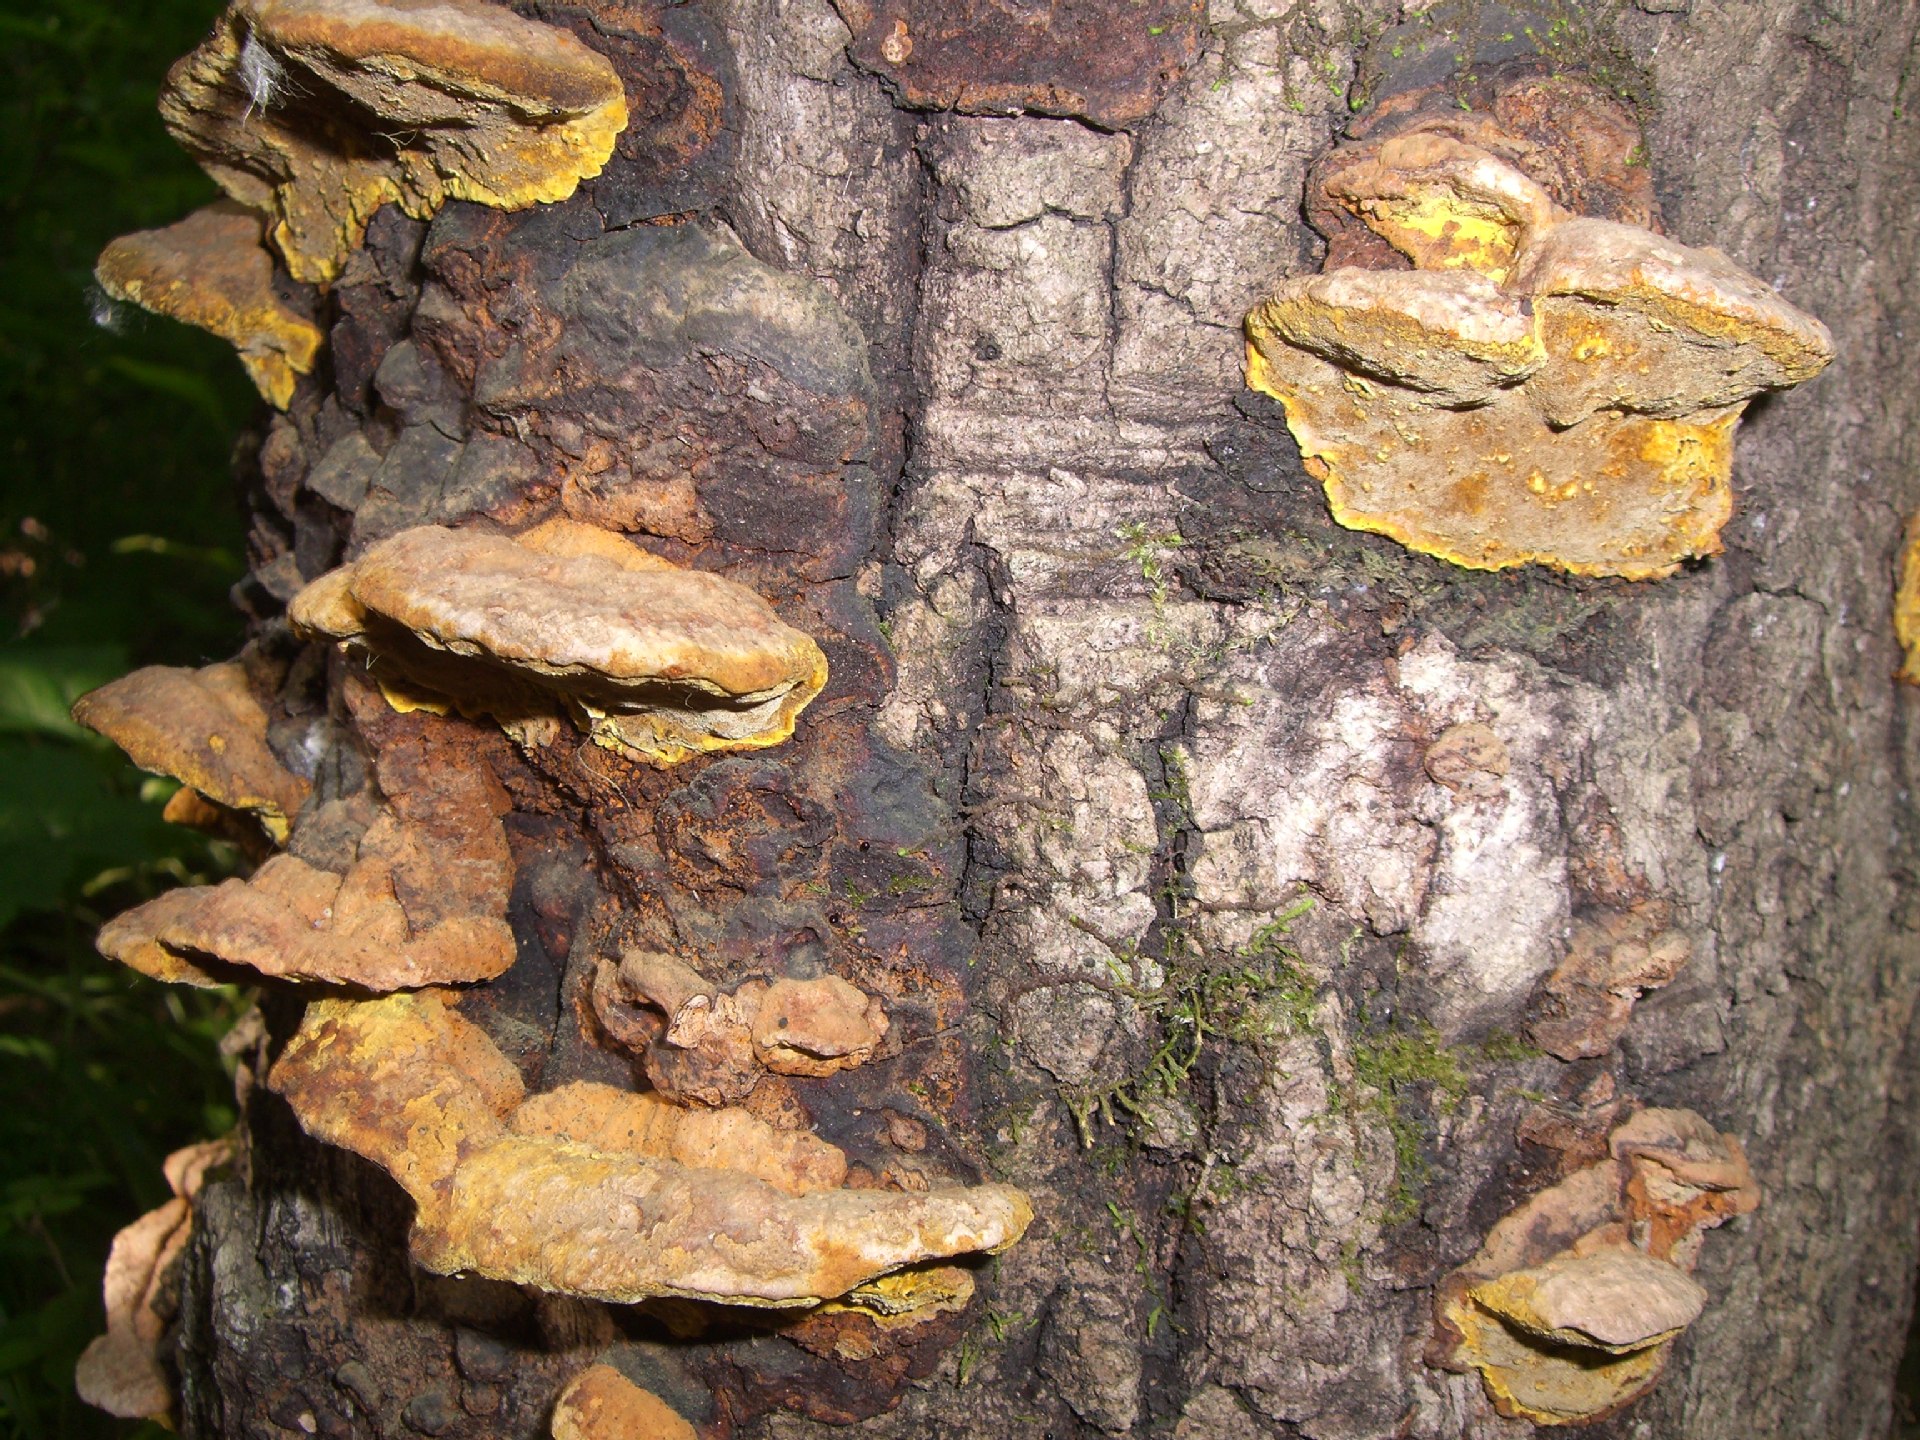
x: 1540, y: 387
x: 714, y: 1047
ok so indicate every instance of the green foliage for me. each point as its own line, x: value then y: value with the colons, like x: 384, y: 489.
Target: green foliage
x: 119, y: 537
x: 119, y: 1071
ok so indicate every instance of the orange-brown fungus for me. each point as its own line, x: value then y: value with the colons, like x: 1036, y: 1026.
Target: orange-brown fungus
x: 318, y: 112
x: 578, y: 1206
x: 714, y: 1046
x: 421, y: 901
x: 1570, y: 1306
x: 211, y: 270
x: 654, y: 661
x: 624, y: 1122
x: 1538, y: 388
x: 1906, y: 604
x: 602, y: 1404
x: 1613, y: 958
x: 121, y: 1371
x: 203, y: 728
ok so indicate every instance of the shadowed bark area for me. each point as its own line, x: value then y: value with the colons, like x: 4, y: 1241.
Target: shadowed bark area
x: 1244, y: 889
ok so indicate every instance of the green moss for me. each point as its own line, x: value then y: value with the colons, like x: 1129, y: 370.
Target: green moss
x: 995, y: 1328
x: 1572, y: 37
x: 1350, y: 1265
x: 1149, y: 549
x: 1503, y: 1047
x: 1393, y: 1071
x: 1257, y: 994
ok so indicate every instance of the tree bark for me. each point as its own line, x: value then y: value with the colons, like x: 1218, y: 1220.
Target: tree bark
x: 1111, y: 694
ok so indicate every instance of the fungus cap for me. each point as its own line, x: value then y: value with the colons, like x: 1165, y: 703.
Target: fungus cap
x: 293, y: 921
x: 624, y: 1229
x: 211, y: 270
x: 1443, y: 203
x: 406, y: 1081
x: 409, y: 1084
x: 602, y: 1404
x: 318, y: 112
x: 626, y: 1122
x: 1612, y: 1298
x: 204, y: 728
x: 1571, y: 1304
x: 1540, y: 388
x: 662, y: 662
x: 121, y: 1371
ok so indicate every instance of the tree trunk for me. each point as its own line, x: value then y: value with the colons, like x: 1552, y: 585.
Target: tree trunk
x: 947, y: 335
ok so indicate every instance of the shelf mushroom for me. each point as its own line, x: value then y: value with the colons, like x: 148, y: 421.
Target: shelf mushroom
x: 318, y: 112
x: 211, y: 270
x: 121, y: 1371
x: 654, y: 661
x: 204, y: 728
x: 1570, y: 1307
x: 586, y: 1207
x: 1540, y: 388
x: 602, y: 1404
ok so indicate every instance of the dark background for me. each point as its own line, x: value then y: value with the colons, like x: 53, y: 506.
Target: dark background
x: 119, y: 538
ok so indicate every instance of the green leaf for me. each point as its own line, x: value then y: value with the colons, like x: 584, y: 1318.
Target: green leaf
x: 177, y: 382
x: 38, y: 685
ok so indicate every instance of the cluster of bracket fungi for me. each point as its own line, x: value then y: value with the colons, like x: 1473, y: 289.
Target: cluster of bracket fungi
x: 1503, y: 361
x: 382, y: 905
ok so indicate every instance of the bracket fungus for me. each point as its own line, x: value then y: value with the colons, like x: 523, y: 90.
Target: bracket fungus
x: 713, y: 1046
x: 602, y: 1404
x: 293, y: 921
x: 1539, y: 387
x: 204, y: 728
x: 211, y: 270
x: 652, y: 660
x: 419, y: 897
x: 1570, y: 1306
x: 317, y: 112
x: 583, y: 1208
x: 121, y: 1371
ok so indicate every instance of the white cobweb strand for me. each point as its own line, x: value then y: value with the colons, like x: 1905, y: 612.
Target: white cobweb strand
x: 261, y: 72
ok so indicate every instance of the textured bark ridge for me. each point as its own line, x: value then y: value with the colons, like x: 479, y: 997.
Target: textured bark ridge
x: 1383, y: 979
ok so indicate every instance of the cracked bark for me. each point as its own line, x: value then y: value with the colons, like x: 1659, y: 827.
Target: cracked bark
x: 1135, y: 695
